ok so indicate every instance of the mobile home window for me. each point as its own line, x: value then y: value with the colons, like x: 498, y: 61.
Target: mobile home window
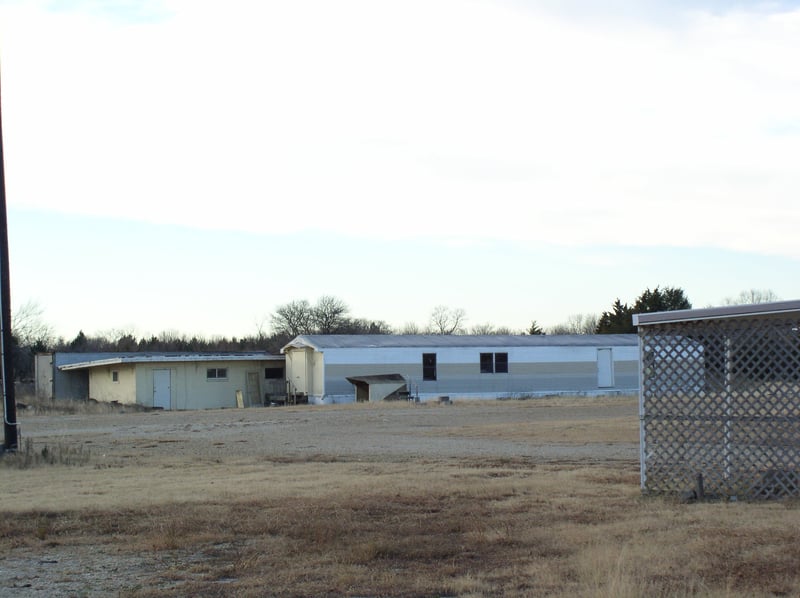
x: 216, y: 373
x: 114, y: 375
x: 494, y: 363
x: 429, y: 366
x: 273, y: 373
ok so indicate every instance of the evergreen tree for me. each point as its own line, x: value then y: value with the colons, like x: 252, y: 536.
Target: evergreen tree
x: 620, y: 319
x: 617, y: 321
x: 535, y: 328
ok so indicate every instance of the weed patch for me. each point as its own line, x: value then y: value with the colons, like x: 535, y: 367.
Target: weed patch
x: 32, y: 456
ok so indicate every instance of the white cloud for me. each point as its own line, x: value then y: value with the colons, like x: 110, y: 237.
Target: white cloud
x: 456, y: 119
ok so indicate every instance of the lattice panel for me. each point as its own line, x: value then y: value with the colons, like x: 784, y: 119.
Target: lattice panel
x: 721, y: 398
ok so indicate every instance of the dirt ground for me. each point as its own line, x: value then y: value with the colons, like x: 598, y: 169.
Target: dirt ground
x: 156, y: 458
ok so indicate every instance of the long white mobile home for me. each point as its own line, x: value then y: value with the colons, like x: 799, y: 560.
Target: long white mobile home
x: 490, y: 366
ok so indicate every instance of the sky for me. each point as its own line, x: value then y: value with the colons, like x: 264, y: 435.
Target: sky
x: 190, y: 165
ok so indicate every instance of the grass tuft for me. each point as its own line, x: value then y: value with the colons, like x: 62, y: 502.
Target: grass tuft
x: 30, y: 456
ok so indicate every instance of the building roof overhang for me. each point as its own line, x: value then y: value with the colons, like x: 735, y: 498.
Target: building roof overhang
x: 377, y: 379
x: 174, y: 358
x: 717, y: 313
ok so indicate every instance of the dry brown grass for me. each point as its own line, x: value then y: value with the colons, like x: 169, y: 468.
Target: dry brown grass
x: 38, y: 406
x: 326, y: 526
x: 467, y: 529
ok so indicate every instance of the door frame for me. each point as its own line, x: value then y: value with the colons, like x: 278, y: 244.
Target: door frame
x: 159, y: 375
x: 605, y: 367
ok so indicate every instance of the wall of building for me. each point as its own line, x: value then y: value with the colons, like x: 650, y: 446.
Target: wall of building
x: 192, y: 389
x: 531, y: 370
x: 103, y: 386
x: 305, y: 369
x: 53, y: 383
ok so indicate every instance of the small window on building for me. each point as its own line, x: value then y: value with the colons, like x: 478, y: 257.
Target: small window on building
x: 501, y: 363
x: 114, y: 375
x: 494, y: 363
x: 273, y: 373
x: 216, y: 373
x: 429, y: 366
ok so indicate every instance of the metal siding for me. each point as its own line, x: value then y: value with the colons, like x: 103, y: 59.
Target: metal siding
x: 190, y: 387
x: 466, y: 355
x: 318, y: 381
x: 373, y: 356
x: 195, y: 391
x: 377, y: 392
x: 382, y: 341
x: 144, y: 386
x: 531, y: 369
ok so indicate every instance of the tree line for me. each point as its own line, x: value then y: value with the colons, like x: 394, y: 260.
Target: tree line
x: 331, y: 315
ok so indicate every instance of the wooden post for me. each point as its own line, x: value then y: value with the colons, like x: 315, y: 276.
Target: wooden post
x: 10, y: 425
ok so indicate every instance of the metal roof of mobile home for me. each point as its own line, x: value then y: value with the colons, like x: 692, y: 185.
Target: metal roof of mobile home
x: 717, y: 313
x: 172, y: 358
x: 321, y: 342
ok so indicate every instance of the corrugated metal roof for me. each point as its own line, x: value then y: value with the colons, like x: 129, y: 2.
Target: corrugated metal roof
x: 716, y: 313
x: 171, y: 358
x: 321, y: 342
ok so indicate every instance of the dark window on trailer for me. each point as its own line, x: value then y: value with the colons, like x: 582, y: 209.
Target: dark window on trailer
x: 487, y: 363
x: 494, y: 363
x: 273, y: 373
x: 114, y: 376
x: 429, y: 366
x: 216, y: 373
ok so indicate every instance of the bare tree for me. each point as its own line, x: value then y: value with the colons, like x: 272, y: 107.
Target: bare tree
x: 483, y: 329
x: 293, y: 318
x: 446, y: 320
x: 329, y: 314
x: 29, y: 327
x: 261, y: 329
x: 364, y: 326
x: 121, y: 339
x: 576, y: 324
x: 411, y: 328
x: 753, y: 296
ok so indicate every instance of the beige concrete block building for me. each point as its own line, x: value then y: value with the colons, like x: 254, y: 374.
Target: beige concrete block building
x: 180, y: 381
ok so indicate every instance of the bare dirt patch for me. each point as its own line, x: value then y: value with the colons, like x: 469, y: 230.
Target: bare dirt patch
x: 514, y: 498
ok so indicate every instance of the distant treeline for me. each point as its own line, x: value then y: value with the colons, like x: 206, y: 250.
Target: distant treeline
x: 330, y: 315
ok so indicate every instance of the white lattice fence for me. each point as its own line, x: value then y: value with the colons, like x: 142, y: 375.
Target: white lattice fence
x: 721, y: 399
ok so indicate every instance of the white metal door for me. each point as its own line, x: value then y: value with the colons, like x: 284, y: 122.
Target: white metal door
x: 605, y: 368
x: 299, y: 371
x: 162, y: 389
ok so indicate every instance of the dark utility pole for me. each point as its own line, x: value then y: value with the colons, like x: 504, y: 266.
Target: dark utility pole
x: 6, y: 364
